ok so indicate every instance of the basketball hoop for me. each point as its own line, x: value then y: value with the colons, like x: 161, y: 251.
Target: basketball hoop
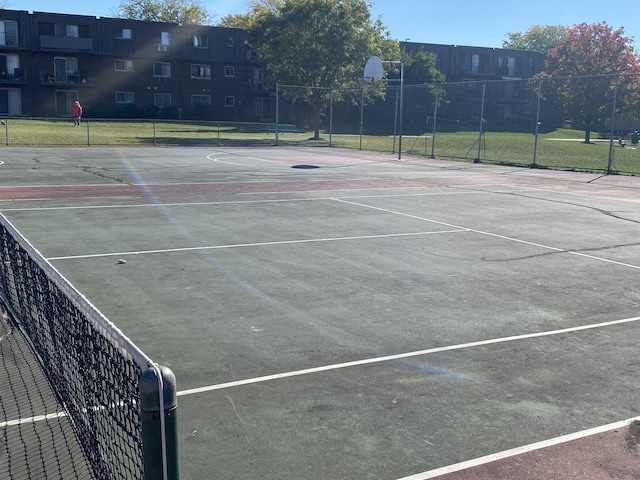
x: 366, y: 81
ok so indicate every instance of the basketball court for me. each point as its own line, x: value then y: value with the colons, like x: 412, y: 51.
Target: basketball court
x: 335, y: 314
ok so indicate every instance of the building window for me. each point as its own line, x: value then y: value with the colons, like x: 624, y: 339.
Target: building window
x: 164, y: 38
x: 230, y: 42
x: 10, y: 67
x: 201, y: 71
x: 229, y: 71
x: 124, y: 97
x: 162, y: 100
x: 123, y: 33
x: 124, y: 65
x: 8, y: 33
x: 200, y: 100
x: 66, y: 30
x: 65, y: 69
x: 200, y: 41
x: 229, y: 101
x: 161, y: 69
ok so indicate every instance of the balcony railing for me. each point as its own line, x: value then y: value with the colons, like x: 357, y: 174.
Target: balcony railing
x: 15, y: 76
x: 254, y: 87
x: 81, y: 77
x: 66, y: 43
x: 9, y: 40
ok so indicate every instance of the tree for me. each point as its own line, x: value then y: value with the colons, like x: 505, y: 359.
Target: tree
x: 420, y: 75
x: 320, y: 43
x: 601, y: 57
x: 537, y: 38
x: 183, y: 12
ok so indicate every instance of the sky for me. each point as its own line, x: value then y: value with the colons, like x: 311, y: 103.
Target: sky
x: 482, y: 23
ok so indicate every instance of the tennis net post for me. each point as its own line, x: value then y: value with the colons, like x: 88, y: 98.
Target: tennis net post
x: 159, y: 415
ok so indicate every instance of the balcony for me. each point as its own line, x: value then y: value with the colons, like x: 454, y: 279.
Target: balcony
x: 472, y: 69
x: 9, y: 40
x: 254, y: 87
x: 18, y: 76
x: 65, y: 43
x: 81, y: 77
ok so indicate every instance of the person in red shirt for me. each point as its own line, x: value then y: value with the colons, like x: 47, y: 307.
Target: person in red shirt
x: 76, y: 113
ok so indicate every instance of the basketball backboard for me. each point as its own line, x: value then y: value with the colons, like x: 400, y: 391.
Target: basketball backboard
x: 373, y: 70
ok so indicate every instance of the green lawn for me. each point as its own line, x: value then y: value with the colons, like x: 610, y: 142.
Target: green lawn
x: 562, y: 148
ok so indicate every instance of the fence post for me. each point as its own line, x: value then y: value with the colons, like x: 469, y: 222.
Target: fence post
x: 401, y: 110
x: 361, y: 111
x: 435, y: 120
x: 277, y: 111
x: 537, y: 130
x: 481, y: 134
x: 153, y: 123
x: 330, y: 115
x: 395, y: 120
x: 613, y: 124
x: 6, y: 131
x: 88, y: 135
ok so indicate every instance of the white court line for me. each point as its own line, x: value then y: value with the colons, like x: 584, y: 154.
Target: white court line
x: 495, y: 235
x: 258, y: 244
x: 518, y: 451
x: 389, y: 358
x: 34, y: 419
x: 216, y: 159
x: 366, y: 361
x: 236, y: 202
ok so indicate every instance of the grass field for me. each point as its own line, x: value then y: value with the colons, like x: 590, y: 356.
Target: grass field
x: 561, y: 149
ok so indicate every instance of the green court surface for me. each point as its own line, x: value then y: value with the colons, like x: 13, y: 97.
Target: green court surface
x: 334, y: 314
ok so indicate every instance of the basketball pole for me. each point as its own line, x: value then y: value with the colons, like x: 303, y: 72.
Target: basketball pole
x: 361, y: 111
x: 374, y: 70
x: 401, y: 109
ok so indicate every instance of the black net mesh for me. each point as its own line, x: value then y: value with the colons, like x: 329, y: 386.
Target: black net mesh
x: 70, y: 407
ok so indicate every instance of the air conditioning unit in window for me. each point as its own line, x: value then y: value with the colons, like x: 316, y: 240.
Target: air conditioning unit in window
x: 162, y: 48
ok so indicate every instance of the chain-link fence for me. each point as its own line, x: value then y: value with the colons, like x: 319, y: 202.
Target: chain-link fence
x: 585, y: 123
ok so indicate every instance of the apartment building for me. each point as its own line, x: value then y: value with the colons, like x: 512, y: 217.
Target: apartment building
x: 128, y: 68
x: 467, y: 63
x: 118, y: 67
x: 505, y: 72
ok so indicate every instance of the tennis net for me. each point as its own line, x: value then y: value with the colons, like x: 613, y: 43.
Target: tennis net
x: 84, y: 420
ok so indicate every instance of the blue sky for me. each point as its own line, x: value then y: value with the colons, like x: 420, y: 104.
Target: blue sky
x: 465, y: 22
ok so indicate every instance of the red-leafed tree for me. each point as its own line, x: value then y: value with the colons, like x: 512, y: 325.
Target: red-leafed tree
x: 605, y: 61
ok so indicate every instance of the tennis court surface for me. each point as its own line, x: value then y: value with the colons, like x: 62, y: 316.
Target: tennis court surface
x: 334, y: 314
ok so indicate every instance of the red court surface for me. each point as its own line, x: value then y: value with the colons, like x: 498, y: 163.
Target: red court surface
x: 610, y: 454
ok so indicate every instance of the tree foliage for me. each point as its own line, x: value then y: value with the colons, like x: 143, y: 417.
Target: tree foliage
x: 323, y: 43
x: 602, y: 58
x: 537, y: 38
x: 184, y: 12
